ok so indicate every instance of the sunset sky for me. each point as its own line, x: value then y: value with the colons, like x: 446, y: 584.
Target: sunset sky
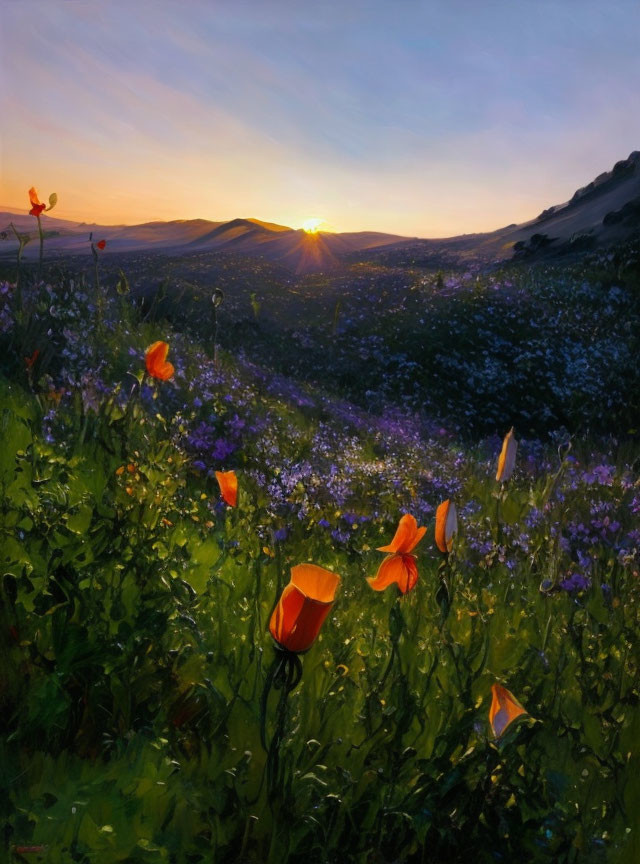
x: 419, y: 118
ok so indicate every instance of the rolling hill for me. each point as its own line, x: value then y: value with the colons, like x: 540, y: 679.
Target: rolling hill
x: 603, y: 211
x: 296, y: 250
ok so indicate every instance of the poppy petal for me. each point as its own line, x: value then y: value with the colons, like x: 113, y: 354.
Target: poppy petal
x: 400, y: 569
x: 407, y: 536
x: 228, y: 483
x: 446, y: 525
x: 156, y: 361
x: 505, y: 708
x: 315, y: 582
x: 303, y: 606
x: 441, y: 521
x: 285, y: 615
x: 416, y: 539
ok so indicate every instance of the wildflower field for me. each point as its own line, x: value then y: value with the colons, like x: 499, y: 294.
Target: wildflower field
x: 206, y: 656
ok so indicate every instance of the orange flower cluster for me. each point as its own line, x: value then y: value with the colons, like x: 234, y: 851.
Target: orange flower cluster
x: 307, y: 600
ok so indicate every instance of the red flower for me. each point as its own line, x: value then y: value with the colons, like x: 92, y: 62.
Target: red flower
x: 304, y: 604
x: 101, y: 244
x: 36, y: 206
x: 400, y: 566
x: 156, y: 361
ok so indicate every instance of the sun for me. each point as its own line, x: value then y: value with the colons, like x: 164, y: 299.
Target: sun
x: 312, y: 226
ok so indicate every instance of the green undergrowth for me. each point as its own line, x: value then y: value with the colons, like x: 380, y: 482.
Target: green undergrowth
x: 135, y: 647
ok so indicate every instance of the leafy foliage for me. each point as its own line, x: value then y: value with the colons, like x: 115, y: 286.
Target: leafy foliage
x: 135, y: 604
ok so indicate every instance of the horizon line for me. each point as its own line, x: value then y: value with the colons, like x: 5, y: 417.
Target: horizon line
x: 19, y: 211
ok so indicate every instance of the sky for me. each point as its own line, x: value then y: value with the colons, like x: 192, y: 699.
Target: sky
x: 424, y: 118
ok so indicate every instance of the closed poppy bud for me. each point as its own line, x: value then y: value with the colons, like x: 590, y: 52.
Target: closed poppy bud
x: 156, y: 361
x: 304, y: 604
x: 507, y: 460
x: 228, y: 483
x: 400, y: 566
x: 101, y: 244
x: 217, y: 297
x: 505, y: 708
x: 446, y: 526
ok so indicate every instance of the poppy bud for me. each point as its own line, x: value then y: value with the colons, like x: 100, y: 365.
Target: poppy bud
x: 505, y: 708
x: 507, y: 460
x: 446, y: 526
x: 228, y: 483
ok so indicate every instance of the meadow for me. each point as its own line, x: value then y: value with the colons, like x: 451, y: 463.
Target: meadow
x: 146, y: 712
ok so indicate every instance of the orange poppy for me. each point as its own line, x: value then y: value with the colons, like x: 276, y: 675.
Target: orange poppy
x: 101, y: 244
x: 505, y: 708
x: 156, y: 361
x: 304, y: 604
x: 228, y: 483
x: 36, y: 206
x: 400, y: 566
x: 446, y: 526
x: 507, y: 460
x: 29, y: 361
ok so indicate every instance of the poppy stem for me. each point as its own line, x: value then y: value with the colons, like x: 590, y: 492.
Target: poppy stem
x: 274, y: 670
x: 396, y: 626
x: 41, y: 246
x: 96, y: 286
x: 95, y: 267
x: 284, y: 675
x: 443, y: 594
x: 215, y: 337
x: 499, y: 500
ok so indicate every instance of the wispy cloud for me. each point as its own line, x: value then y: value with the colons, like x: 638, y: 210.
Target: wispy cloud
x: 425, y: 118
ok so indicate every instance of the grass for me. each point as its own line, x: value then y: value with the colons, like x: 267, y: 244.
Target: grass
x: 135, y: 604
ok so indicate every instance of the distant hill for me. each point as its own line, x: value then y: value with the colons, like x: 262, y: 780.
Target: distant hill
x: 605, y: 210
x: 297, y: 250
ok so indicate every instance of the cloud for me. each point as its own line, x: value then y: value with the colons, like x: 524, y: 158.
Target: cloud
x: 434, y: 117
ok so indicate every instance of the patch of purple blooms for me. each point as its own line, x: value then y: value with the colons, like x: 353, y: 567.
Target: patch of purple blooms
x: 575, y: 582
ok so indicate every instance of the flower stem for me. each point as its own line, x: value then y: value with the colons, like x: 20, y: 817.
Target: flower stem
x: 41, y: 246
